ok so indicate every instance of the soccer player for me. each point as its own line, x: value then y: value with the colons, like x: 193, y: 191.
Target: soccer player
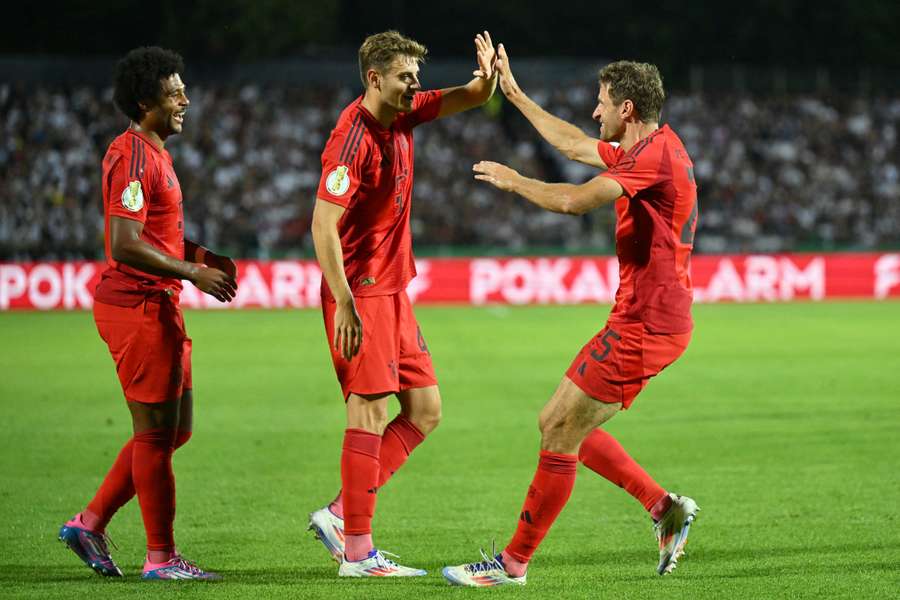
x: 137, y: 314
x: 649, y: 176
x: 362, y: 238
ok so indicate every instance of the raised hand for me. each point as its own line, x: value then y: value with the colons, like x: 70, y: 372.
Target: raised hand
x: 485, y: 55
x: 507, y: 82
x: 500, y: 176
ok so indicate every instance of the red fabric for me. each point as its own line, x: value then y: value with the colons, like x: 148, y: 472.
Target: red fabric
x: 393, y: 356
x: 131, y: 158
x: 150, y: 347
x: 602, y: 453
x: 616, y: 364
x: 547, y: 495
x: 369, y: 170
x: 154, y: 482
x: 359, y: 477
x: 400, y: 438
x: 116, y: 490
x: 655, y: 225
x: 118, y: 485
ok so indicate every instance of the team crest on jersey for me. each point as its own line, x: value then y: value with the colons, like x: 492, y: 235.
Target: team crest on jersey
x: 338, y: 181
x: 133, y: 196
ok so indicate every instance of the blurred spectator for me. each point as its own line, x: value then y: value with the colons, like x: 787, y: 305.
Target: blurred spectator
x: 774, y: 173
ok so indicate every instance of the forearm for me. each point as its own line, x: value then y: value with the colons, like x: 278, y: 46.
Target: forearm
x: 140, y: 255
x: 562, y: 135
x: 555, y: 197
x: 327, y: 243
x: 194, y: 252
x: 480, y: 90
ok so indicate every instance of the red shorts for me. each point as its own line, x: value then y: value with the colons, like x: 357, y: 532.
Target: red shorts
x: 150, y: 347
x: 393, y: 356
x: 619, y: 361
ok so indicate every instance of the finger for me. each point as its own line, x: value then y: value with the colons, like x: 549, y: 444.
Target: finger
x: 357, y: 341
x: 487, y: 39
x: 336, y: 342
x: 479, y: 42
x: 487, y: 178
x: 501, y: 50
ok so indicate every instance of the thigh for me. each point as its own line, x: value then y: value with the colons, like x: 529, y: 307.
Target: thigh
x: 570, y: 415
x: 609, y: 368
x: 147, y: 345
x: 367, y: 412
x: 374, y: 370
x: 415, y: 367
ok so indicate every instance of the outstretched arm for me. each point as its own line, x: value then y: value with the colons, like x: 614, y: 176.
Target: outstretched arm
x: 562, y: 135
x: 563, y: 198
x: 481, y: 88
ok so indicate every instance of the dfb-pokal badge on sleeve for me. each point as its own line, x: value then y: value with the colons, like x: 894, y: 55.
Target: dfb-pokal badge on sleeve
x: 338, y: 181
x: 133, y: 196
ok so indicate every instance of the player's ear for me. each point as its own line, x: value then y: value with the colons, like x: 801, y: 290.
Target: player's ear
x: 627, y: 109
x: 374, y: 79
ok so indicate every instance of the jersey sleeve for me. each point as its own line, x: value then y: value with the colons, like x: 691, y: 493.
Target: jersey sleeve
x: 131, y: 183
x: 426, y: 107
x: 609, y: 154
x: 343, y: 164
x: 637, y: 170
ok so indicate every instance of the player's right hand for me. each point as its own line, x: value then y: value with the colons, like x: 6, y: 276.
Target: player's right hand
x: 348, y: 330
x: 216, y: 283
x: 507, y: 82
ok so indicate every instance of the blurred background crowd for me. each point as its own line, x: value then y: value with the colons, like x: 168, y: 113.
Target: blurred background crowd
x: 775, y: 173
x: 794, y: 144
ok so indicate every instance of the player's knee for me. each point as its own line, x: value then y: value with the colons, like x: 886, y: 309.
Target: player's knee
x: 428, y: 421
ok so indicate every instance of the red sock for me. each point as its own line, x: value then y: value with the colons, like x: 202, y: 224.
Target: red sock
x: 601, y: 453
x: 399, y: 440
x: 118, y: 487
x: 115, y: 491
x: 359, y: 476
x: 154, y: 481
x: 547, y: 495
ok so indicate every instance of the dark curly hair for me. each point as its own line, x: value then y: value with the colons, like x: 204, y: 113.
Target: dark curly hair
x: 137, y: 77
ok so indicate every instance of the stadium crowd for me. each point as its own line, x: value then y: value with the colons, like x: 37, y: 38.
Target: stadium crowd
x: 774, y: 173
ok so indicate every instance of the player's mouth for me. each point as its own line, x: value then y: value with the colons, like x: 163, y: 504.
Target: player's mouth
x: 409, y: 97
x: 178, y: 117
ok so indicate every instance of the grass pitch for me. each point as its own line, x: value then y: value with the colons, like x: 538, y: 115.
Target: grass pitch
x: 781, y: 420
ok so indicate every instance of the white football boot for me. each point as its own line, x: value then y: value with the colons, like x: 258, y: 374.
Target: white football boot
x: 488, y: 572
x: 672, y: 531
x: 328, y: 529
x: 377, y: 564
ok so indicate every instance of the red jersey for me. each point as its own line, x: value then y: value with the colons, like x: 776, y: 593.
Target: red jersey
x: 655, y: 224
x: 139, y: 183
x: 368, y: 169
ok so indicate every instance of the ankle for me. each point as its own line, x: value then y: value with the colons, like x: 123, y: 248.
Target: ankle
x: 514, y: 568
x: 658, y: 510
x: 357, y: 547
x: 90, y: 521
x: 157, y: 557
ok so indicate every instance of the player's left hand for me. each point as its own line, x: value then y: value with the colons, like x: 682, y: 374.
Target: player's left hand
x: 223, y: 263
x: 485, y: 55
x: 500, y: 176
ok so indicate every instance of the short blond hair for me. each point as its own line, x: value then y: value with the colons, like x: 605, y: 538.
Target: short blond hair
x: 379, y: 50
x: 636, y: 81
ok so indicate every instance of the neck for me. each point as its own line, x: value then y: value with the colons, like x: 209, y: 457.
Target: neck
x: 635, y: 132
x: 383, y: 113
x: 150, y: 133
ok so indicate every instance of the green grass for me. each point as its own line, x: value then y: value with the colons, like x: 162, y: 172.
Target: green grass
x: 781, y: 420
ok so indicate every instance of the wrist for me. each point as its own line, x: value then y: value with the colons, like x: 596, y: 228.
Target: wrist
x: 192, y: 271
